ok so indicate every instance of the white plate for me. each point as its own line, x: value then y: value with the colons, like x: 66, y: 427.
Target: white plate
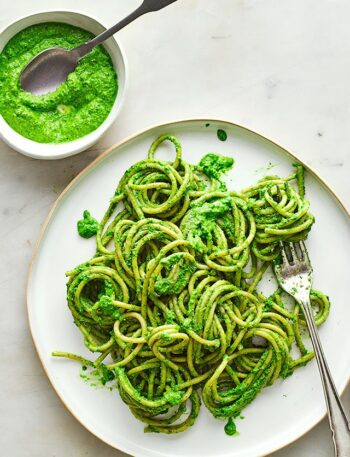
x: 281, y: 413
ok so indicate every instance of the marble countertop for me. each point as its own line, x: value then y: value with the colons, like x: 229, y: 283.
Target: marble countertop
x: 280, y: 67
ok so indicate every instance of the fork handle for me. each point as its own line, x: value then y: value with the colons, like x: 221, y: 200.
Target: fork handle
x: 338, y: 420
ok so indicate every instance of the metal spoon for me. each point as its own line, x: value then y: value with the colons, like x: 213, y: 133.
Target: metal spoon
x: 46, y: 71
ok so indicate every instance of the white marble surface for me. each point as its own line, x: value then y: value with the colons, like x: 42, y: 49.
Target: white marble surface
x: 280, y: 67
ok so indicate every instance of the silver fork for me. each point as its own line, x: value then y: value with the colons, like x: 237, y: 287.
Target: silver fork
x: 294, y: 274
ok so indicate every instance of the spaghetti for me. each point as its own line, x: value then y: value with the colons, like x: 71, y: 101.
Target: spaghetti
x: 169, y: 301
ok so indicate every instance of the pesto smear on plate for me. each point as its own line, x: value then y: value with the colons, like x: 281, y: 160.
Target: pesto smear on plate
x: 77, y: 107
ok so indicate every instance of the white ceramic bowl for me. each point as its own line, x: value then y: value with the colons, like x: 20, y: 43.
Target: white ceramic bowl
x: 58, y: 151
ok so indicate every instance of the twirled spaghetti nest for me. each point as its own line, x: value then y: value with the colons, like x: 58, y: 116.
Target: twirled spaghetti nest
x: 170, y: 301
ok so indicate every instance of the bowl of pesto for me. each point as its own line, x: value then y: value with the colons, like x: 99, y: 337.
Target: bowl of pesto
x: 74, y: 116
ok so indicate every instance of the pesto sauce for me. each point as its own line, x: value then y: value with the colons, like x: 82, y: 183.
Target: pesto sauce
x: 201, y: 221
x: 230, y: 427
x: 88, y: 226
x: 222, y: 135
x: 166, y: 286
x: 98, y: 377
x: 77, y: 107
x: 214, y: 165
x: 108, y: 309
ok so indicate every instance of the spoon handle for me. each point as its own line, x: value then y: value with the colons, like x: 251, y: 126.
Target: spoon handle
x: 146, y: 7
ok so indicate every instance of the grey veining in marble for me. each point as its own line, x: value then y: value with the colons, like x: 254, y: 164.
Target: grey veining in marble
x: 280, y: 67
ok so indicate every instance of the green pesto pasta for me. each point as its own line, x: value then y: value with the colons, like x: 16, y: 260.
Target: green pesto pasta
x: 170, y: 302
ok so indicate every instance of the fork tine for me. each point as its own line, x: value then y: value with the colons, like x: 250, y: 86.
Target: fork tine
x: 293, y: 252
x: 302, y: 247
x: 283, y: 254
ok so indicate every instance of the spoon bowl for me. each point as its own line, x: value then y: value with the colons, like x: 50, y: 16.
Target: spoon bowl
x: 53, y: 65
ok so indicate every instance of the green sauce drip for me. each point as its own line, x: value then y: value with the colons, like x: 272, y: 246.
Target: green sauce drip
x: 230, y: 427
x: 222, y: 135
x: 88, y: 226
x: 77, y: 107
